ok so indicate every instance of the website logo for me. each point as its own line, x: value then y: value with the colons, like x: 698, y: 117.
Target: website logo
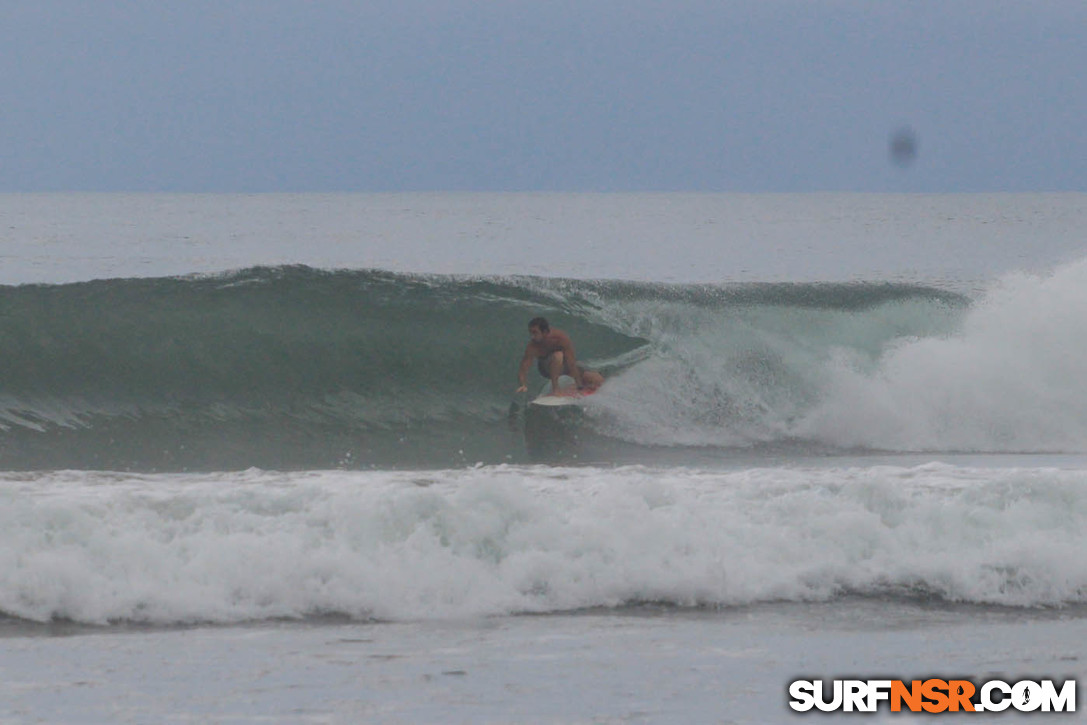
x: 932, y: 695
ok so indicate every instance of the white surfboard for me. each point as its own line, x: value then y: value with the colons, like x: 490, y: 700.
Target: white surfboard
x: 568, y: 394
x: 557, y: 400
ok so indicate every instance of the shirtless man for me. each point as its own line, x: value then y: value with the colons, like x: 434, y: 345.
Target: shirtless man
x: 553, y: 352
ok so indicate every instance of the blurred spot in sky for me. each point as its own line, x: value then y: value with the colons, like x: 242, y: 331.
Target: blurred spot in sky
x: 903, y: 147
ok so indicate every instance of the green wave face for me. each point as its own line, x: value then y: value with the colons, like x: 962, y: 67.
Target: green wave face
x: 298, y: 368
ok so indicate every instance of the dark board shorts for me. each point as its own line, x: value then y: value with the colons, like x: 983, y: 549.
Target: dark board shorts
x: 541, y: 365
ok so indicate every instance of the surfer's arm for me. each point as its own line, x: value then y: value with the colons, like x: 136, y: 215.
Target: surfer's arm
x: 522, y: 372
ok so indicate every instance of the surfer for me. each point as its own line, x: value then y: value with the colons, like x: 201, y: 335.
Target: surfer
x: 554, y: 354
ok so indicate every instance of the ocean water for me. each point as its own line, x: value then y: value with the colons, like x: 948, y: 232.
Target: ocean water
x: 261, y: 458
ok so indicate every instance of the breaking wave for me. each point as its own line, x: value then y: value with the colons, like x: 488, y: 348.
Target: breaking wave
x: 298, y: 368
x: 101, y: 547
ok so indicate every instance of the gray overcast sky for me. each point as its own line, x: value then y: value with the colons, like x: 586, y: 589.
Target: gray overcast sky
x: 612, y: 95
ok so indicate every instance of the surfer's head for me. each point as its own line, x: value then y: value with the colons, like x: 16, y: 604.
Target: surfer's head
x: 537, y: 328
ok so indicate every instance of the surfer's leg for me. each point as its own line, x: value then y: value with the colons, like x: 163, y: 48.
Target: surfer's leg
x: 556, y: 364
x: 592, y: 379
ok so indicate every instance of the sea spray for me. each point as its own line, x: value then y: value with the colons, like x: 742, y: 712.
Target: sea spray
x: 1008, y: 378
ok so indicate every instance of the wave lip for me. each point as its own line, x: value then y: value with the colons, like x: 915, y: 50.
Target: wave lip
x: 167, y: 548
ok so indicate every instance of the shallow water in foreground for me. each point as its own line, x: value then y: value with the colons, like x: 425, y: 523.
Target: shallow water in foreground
x: 636, y: 665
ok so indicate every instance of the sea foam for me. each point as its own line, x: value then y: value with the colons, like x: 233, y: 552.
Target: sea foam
x: 99, y: 548
x: 1010, y: 378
